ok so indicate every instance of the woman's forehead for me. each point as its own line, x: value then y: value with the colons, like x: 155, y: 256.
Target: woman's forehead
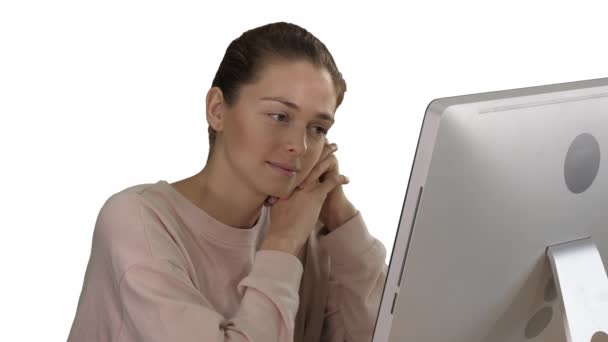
x: 300, y: 83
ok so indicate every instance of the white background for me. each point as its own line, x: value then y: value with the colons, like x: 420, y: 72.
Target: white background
x: 96, y: 97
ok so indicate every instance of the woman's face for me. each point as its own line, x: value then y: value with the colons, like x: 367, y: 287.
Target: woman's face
x: 279, y: 120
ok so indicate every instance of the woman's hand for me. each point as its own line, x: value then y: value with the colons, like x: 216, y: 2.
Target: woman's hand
x: 337, y: 209
x: 293, y: 218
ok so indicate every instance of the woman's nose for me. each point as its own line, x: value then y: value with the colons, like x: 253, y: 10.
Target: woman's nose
x: 296, y: 141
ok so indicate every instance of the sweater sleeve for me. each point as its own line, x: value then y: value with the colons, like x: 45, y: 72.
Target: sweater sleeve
x: 356, y: 281
x: 161, y: 304
x: 132, y: 294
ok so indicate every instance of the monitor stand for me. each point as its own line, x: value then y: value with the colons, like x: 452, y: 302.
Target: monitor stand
x: 581, y: 282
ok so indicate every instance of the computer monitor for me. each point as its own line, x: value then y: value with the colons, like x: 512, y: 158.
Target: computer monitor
x: 505, y: 212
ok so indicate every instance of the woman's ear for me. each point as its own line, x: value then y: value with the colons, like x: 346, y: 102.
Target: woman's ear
x: 216, y: 106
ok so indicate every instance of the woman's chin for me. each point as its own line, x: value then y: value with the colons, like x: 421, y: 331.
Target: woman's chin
x: 279, y: 189
x: 280, y: 193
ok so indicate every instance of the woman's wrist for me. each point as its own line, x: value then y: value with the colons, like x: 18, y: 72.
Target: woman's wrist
x: 340, y: 216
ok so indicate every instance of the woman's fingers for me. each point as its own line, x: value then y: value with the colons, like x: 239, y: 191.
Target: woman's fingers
x: 328, y: 164
x: 332, y: 179
x: 321, y: 167
x: 328, y: 149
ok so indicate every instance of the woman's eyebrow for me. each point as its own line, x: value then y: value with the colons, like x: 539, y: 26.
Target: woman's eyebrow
x: 322, y: 116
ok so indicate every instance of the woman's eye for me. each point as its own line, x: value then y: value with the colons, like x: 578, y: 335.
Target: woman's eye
x: 319, y: 130
x: 278, y: 116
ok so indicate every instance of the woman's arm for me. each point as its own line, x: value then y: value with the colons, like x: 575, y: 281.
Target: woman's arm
x: 132, y: 294
x: 357, y: 275
x: 161, y: 304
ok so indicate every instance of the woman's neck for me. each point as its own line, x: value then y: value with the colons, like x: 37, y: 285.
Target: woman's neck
x: 222, y: 195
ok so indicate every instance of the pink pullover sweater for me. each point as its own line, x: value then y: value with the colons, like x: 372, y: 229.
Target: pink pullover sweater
x: 162, y: 269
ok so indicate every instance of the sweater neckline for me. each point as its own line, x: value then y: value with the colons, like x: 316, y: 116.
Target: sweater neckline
x: 204, y: 225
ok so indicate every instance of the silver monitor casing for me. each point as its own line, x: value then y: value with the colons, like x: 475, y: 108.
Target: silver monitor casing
x: 486, y: 197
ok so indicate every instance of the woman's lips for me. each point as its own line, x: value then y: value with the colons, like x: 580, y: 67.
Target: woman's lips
x: 282, y: 169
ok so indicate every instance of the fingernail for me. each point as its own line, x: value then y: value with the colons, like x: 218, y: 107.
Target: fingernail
x: 346, y: 179
x: 334, y: 147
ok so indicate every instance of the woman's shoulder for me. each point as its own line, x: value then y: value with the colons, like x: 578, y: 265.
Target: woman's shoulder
x: 132, y: 223
x: 135, y: 198
x: 124, y: 206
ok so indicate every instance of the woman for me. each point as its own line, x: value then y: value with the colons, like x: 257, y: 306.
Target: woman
x: 262, y: 244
